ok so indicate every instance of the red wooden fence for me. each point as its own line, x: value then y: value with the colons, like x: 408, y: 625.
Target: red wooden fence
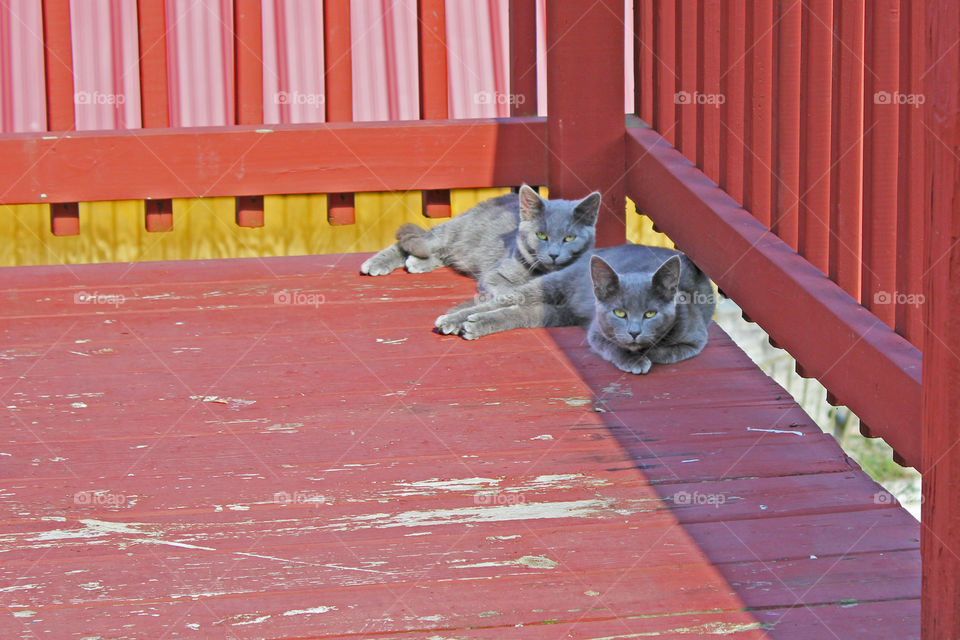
x: 830, y: 128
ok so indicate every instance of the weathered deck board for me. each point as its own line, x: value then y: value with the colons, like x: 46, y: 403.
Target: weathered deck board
x: 195, y: 460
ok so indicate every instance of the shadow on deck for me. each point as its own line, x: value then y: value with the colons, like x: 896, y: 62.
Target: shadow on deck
x: 188, y: 454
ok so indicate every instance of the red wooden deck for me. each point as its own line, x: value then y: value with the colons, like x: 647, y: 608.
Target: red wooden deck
x: 195, y: 459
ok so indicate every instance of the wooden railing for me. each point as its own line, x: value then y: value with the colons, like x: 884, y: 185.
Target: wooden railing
x: 807, y: 156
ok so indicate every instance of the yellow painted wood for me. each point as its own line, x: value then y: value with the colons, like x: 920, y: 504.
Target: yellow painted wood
x: 206, y: 228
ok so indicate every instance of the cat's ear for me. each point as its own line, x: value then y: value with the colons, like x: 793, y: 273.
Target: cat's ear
x: 531, y: 205
x: 667, y: 279
x: 587, y: 210
x: 606, y: 283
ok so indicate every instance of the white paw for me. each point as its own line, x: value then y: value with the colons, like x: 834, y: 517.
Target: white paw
x: 473, y: 329
x: 447, y: 325
x: 418, y: 265
x: 372, y: 267
x: 639, y: 366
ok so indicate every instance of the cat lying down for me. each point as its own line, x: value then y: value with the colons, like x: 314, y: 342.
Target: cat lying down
x: 501, y: 242
x: 641, y: 305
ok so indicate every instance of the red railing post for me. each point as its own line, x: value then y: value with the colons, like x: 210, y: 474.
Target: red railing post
x: 940, y: 535
x: 248, y: 67
x: 338, y: 91
x: 585, y: 123
x: 61, y: 105
x: 523, y: 57
x: 433, y: 87
x: 154, y: 97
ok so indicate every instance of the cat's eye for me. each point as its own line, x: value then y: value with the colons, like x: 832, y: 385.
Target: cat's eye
x: 649, y: 314
x: 541, y: 235
x: 620, y: 313
x: 569, y: 238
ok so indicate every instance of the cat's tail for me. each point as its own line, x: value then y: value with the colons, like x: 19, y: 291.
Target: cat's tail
x: 414, y: 240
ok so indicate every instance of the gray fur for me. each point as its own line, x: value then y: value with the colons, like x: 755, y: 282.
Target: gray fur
x: 634, y: 279
x: 496, y: 242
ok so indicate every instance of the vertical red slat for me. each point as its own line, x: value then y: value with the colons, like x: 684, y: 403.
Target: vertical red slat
x: 248, y: 67
x: 758, y: 161
x: 881, y: 118
x: 787, y: 133
x: 58, y: 68
x: 940, y: 534
x: 338, y: 90
x: 523, y: 57
x: 665, y: 69
x: 688, y: 102
x: 433, y: 87
x: 816, y: 71
x: 154, y: 98
x: 847, y: 150
x: 586, y: 136
x: 708, y: 73
x: 645, y: 53
x: 910, y: 195
x: 733, y: 47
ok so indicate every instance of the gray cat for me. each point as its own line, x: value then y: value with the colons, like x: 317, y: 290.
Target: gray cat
x: 501, y: 242
x: 641, y: 305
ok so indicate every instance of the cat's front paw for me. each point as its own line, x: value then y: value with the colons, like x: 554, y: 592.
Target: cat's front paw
x: 638, y: 364
x: 475, y: 327
x: 449, y: 324
x: 383, y: 262
x: 419, y: 265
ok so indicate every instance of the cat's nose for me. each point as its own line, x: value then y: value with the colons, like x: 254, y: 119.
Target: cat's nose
x: 554, y: 256
x: 634, y: 334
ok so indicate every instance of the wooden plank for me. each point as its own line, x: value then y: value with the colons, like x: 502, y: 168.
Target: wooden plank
x: 151, y: 24
x: 154, y: 96
x: 881, y: 161
x: 58, y: 65
x: 759, y: 160
x: 709, y: 74
x: 246, y: 160
x: 586, y: 136
x: 732, y: 79
x: 665, y: 69
x: 738, y: 254
x: 941, y: 367
x: 846, y: 155
x: 646, y: 50
x: 787, y: 122
x: 433, y: 86
x: 523, y: 57
x: 338, y: 92
x: 337, y: 60
x: 687, y: 81
x: 816, y: 71
x: 911, y: 196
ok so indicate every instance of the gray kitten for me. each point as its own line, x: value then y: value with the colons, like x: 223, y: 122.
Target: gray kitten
x: 502, y: 242
x: 641, y: 304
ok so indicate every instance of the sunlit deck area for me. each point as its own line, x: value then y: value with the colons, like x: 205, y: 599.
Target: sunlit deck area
x: 282, y: 448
